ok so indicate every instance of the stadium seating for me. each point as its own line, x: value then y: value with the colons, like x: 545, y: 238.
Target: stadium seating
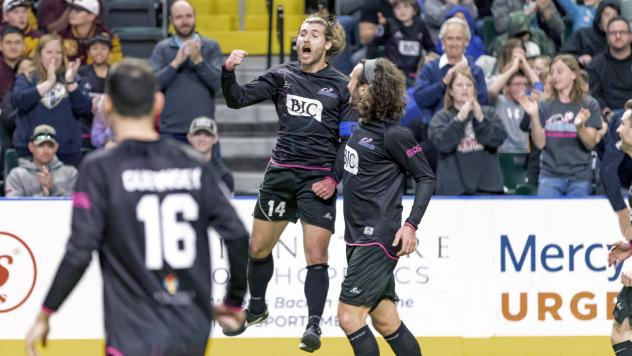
x: 130, y: 13
x: 10, y: 160
x: 219, y: 20
x: 514, y: 169
x: 138, y: 41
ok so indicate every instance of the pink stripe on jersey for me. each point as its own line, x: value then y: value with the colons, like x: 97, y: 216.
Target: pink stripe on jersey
x: 376, y: 244
x: 81, y: 200
x: 562, y: 134
x: 113, y: 351
x: 310, y: 168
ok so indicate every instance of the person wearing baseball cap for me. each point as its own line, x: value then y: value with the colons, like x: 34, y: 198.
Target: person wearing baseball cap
x: 15, y: 13
x: 203, y: 136
x: 93, y: 75
x: 52, y: 15
x: 82, y: 27
x: 44, y: 174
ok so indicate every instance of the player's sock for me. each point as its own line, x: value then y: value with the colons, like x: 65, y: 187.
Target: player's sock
x: 363, y: 342
x: 623, y: 348
x: 403, y: 342
x: 316, y: 288
x: 259, y: 275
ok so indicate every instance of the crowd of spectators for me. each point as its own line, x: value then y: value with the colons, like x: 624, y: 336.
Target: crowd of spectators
x: 55, y: 56
x: 539, y: 83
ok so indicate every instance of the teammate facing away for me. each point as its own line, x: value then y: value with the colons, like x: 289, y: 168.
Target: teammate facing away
x: 377, y: 155
x: 145, y: 206
x: 312, y: 103
x: 621, y: 334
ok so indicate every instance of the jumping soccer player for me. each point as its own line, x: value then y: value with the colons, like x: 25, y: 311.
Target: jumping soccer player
x: 315, y: 117
x: 377, y: 156
x: 145, y: 206
x: 621, y: 250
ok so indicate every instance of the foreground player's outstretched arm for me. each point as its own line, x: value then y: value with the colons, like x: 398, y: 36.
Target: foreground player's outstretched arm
x: 238, y: 96
x: 405, y: 150
x: 224, y: 219
x: 89, y: 208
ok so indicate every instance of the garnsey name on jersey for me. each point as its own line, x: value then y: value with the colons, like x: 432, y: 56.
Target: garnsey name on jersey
x: 300, y: 106
x: 162, y: 180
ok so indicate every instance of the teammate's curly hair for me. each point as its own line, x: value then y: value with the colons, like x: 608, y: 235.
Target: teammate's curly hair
x: 386, y: 98
x: 334, y: 32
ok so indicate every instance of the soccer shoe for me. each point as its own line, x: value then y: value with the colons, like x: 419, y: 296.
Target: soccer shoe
x: 310, y: 341
x: 251, y: 319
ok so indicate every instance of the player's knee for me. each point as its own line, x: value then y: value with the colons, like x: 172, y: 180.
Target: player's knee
x: 316, y: 255
x: 258, y: 247
x: 385, y: 326
x: 349, y: 322
x: 620, y: 333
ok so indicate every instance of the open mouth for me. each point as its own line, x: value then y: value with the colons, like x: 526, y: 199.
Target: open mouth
x: 306, y: 51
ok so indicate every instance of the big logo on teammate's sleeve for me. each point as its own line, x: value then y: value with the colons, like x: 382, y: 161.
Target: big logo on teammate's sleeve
x: 299, y: 106
x: 351, y: 160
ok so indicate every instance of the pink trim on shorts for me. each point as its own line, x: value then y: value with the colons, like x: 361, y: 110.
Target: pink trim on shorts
x: 113, y: 351
x: 376, y: 244
x: 310, y: 168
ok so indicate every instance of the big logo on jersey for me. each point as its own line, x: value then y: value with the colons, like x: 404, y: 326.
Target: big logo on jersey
x: 299, y: 106
x: 18, y: 272
x: 351, y: 160
x: 409, y: 48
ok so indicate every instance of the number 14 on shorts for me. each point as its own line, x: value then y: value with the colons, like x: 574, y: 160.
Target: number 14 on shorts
x: 279, y: 210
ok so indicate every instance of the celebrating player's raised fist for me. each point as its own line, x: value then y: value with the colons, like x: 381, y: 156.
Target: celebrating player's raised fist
x: 236, y: 57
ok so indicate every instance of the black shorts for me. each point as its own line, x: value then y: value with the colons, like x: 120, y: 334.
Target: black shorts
x: 623, y: 308
x: 369, y: 278
x: 286, y: 195
x: 133, y: 345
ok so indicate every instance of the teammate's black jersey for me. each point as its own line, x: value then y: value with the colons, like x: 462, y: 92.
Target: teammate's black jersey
x: 313, y: 108
x: 377, y: 156
x: 146, y: 207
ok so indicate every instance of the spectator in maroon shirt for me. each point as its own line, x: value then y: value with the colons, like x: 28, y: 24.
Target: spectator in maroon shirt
x: 52, y: 15
x: 83, y: 25
x: 11, y: 46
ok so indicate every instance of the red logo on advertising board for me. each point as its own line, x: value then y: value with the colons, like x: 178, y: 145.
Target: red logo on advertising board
x: 18, y: 272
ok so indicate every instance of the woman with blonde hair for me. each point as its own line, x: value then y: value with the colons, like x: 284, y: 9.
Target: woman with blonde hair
x: 565, y: 127
x: 467, y: 136
x: 50, y: 95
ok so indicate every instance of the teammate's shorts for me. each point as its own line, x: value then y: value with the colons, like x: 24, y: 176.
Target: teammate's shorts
x: 369, y: 278
x: 286, y: 195
x: 623, y: 308
x: 130, y: 345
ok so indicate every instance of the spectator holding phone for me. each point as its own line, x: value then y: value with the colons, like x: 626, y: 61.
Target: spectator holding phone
x: 565, y: 127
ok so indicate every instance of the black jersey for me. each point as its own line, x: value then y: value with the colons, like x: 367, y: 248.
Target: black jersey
x: 403, y: 45
x: 313, y: 108
x: 377, y: 156
x: 146, y: 207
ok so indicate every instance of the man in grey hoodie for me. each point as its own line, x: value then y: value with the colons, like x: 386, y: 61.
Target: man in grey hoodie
x: 44, y: 175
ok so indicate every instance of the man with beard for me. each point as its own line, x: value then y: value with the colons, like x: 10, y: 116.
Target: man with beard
x: 312, y: 102
x: 188, y: 67
x: 609, y: 72
x: 377, y: 157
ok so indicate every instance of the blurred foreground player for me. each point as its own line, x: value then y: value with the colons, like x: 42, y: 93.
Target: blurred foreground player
x: 621, y: 334
x: 145, y: 206
x: 377, y: 156
x: 316, y: 118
